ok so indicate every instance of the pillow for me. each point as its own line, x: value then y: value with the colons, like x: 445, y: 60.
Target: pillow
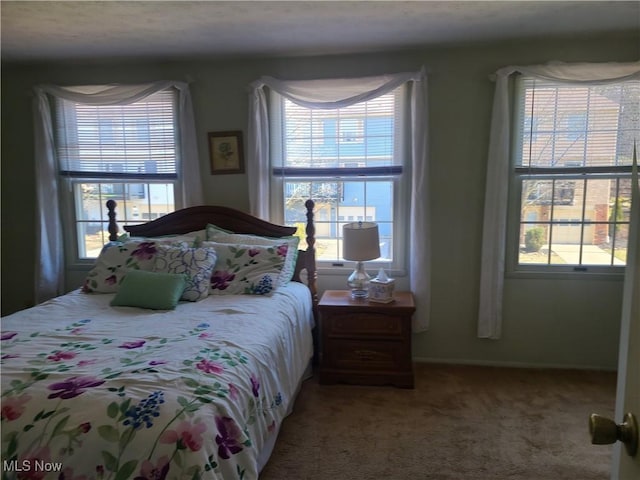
x: 154, y: 290
x: 211, y: 229
x: 196, y: 263
x: 246, y: 269
x: 113, y: 261
x: 217, y: 234
x: 192, y: 238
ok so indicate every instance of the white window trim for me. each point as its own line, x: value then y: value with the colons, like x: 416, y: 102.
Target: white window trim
x: 401, y: 199
x: 515, y: 269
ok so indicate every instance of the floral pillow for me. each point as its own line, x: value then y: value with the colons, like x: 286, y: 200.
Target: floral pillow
x: 196, y: 263
x: 217, y: 234
x: 246, y: 269
x: 114, y: 261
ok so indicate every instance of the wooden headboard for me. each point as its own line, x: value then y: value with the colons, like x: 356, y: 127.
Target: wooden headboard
x: 192, y: 219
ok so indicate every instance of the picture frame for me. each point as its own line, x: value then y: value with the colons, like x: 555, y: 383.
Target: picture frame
x: 226, y: 152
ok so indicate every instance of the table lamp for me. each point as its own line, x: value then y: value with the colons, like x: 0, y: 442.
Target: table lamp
x: 360, y: 243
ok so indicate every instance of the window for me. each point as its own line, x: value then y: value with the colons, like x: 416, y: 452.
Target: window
x: 572, y: 173
x: 348, y: 160
x: 128, y: 153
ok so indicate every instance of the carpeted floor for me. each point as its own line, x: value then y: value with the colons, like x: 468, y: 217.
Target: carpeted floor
x: 459, y: 423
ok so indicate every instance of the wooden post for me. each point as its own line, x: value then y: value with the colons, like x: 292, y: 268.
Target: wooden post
x: 113, y: 226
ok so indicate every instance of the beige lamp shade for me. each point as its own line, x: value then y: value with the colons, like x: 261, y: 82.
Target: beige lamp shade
x: 360, y: 241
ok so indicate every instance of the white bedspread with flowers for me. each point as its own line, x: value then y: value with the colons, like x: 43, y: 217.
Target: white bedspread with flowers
x: 91, y: 391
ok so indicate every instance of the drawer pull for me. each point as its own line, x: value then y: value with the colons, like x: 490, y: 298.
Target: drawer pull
x: 366, y: 354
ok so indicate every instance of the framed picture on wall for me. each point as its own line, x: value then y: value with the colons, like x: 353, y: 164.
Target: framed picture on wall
x: 225, y: 152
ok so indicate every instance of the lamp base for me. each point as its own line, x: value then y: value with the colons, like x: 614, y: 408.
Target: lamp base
x: 359, y: 294
x: 358, y: 282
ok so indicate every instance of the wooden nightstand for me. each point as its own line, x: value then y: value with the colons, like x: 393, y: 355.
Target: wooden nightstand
x: 365, y: 343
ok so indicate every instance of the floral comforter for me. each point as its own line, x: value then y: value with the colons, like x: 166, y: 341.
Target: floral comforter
x: 91, y: 391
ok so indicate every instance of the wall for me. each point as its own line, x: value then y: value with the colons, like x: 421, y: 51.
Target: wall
x: 547, y: 322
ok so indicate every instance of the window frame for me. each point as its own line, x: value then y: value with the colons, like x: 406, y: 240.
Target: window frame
x: 67, y: 193
x: 514, y: 221
x: 400, y: 182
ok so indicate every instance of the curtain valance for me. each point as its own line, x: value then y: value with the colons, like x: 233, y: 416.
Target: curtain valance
x: 592, y: 73
x: 336, y: 92
x: 110, y: 94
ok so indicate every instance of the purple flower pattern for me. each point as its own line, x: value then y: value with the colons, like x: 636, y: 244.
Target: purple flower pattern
x: 145, y: 251
x: 73, y: 386
x: 255, y: 385
x: 8, y: 335
x: 59, y: 356
x: 228, y: 437
x: 221, y: 279
x: 132, y: 345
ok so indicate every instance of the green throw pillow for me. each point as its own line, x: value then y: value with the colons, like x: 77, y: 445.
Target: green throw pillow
x: 154, y: 290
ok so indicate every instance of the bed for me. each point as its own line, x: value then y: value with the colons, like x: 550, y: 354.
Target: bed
x: 96, y: 389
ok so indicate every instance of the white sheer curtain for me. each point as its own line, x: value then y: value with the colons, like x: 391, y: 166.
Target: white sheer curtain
x: 340, y: 93
x: 495, y: 207
x: 49, y: 243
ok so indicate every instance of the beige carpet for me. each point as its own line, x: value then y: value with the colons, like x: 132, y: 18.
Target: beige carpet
x: 459, y: 423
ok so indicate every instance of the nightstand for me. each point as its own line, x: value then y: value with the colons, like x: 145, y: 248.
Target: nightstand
x: 365, y: 343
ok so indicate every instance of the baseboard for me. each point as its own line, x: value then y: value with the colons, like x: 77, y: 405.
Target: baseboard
x: 497, y: 363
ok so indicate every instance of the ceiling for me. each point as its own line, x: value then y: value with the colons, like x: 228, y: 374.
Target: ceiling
x: 71, y: 30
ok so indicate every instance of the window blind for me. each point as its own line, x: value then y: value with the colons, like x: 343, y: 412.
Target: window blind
x: 579, y: 128
x: 136, y: 140
x: 355, y: 141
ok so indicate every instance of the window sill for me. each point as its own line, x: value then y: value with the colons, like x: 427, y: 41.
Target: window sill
x: 371, y: 268
x: 565, y: 274
x: 82, y: 265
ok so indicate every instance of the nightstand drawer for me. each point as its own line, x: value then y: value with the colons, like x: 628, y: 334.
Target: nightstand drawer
x: 366, y: 355
x: 363, y: 324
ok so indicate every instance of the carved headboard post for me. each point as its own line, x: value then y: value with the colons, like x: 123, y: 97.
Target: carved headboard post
x: 310, y: 229
x: 312, y: 274
x: 113, y: 226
